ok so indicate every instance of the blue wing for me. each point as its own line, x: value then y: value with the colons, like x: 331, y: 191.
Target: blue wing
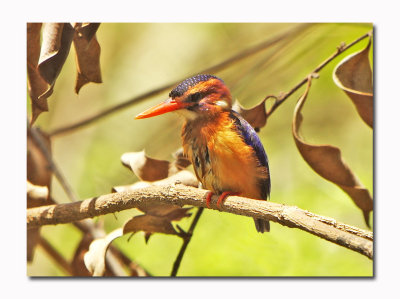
x: 251, y: 138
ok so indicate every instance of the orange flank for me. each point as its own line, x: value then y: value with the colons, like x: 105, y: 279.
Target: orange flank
x: 233, y: 165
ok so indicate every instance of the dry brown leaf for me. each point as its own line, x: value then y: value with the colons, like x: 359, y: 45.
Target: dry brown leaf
x: 132, y: 187
x: 146, y: 168
x: 354, y: 76
x: 37, y: 195
x: 33, y: 237
x: 326, y: 160
x: 77, y: 264
x: 39, y: 181
x: 183, y: 177
x: 86, y: 30
x: 36, y: 84
x: 38, y: 169
x: 256, y: 116
x: 156, y: 220
x: 46, y: 61
x: 56, y: 43
x: 149, y: 224
x: 181, y: 160
x: 87, y: 51
x: 157, y: 217
x: 170, y: 212
x: 94, y: 259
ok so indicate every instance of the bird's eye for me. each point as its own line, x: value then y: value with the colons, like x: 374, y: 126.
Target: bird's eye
x: 194, y: 97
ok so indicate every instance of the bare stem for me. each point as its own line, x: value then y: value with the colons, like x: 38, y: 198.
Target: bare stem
x: 54, y: 168
x: 186, y: 241
x: 215, y: 68
x: 340, y: 49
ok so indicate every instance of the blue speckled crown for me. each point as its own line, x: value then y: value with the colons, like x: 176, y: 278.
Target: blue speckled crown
x: 186, y: 84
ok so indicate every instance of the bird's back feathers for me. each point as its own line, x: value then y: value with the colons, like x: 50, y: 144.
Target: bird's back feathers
x: 251, y: 138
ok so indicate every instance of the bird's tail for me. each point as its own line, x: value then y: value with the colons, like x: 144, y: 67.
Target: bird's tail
x: 261, y: 225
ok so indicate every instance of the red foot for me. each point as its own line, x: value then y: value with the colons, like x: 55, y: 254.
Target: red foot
x: 221, y: 198
x: 224, y: 195
x: 208, y: 199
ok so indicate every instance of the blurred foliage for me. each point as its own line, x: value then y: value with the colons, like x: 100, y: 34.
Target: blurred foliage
x: 136, y: 58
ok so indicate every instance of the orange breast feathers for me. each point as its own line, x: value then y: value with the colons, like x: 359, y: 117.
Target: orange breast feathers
x: 221, y: 159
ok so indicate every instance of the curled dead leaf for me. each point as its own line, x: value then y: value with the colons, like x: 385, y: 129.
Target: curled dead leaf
x: 354, y: 76
x: 78, y: 264
x: 146, y: 168
x: 44, y: 62
x: 181, y: 160
x: 94, y: 259
x: 38, y: 185
x: 326, y: 160
x: 86, y: 30
x: 156, y: 220
x: 149, y: 224
x: 87, y: 51
x: 167, y: 211
x: 36, y: 84
x: 183, y: 177
x: 132, y: 187
x: 57, y: 39
x: 256, y: 116
x: 37, y: 195
x: 32, y: 240
x: 38, y: 168
x: 157, y: 217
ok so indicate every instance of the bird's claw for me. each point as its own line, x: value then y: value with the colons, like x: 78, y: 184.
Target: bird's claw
x: 208, y: 199
x: 221, y: 198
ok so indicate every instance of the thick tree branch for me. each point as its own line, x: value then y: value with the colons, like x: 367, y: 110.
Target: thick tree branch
x: 327, y: 228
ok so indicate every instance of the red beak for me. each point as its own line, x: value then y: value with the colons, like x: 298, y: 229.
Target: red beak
x: 164, y: 107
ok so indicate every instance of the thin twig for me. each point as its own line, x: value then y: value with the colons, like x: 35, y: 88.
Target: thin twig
x: 54, y: 168
x: 186, y: 241
x: 51, y: 251
x: 327, y: 228
x: 215, y: 68
x: 340, y: 49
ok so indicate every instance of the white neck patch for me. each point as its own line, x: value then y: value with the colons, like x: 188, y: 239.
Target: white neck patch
x: 223, y: 104
x: 189, y: 115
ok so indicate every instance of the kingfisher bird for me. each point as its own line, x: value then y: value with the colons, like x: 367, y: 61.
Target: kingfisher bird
x: 226, y: 152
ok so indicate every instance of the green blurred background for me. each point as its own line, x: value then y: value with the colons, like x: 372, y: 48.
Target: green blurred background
x: 136, y: 58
